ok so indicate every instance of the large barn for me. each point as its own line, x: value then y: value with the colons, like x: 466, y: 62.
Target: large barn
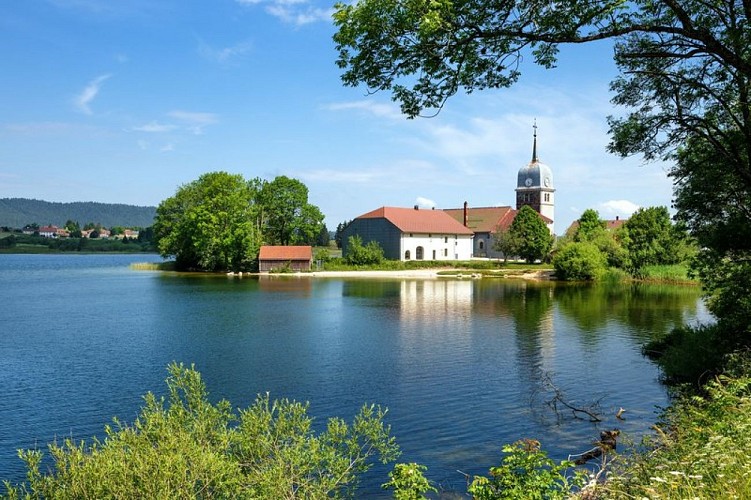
x: 412, y: 234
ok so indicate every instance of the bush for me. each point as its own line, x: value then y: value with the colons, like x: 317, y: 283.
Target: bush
x: 579, y: 261
x: 527, y: 472
x: 408, y: 482
x: 360, y: 255
x: 191, y: 448
x: 689, y: 354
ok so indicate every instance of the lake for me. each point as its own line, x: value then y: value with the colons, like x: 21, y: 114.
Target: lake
x: 464, y: 366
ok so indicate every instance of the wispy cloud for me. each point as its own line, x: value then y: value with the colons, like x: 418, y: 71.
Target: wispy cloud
x: 224, y: 55
x: 296, y: 12
x: 155, y: 127
x: 370, y: 107
x: 83, y: 100
x: 195, y: 122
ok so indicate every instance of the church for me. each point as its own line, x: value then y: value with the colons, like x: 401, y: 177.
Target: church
x: 457, y: 233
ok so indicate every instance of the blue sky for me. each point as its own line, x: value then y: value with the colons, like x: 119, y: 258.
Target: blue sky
x: 122, y: 102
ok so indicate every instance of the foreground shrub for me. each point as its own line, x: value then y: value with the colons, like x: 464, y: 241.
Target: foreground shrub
x: 703, y: 452
x: 190, y: 448
x: 526, y: 472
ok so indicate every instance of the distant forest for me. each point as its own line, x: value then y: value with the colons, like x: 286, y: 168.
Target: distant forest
x: 18, y: 212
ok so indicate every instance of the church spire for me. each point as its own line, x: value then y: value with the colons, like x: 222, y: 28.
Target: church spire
x: 534, y: 144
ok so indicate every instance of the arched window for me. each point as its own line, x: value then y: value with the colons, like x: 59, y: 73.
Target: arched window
x: 418, y: 253
x: 482, y: 244
x: 406, y: 255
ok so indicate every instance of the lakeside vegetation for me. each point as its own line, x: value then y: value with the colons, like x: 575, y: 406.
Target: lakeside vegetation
x: 16, y: 242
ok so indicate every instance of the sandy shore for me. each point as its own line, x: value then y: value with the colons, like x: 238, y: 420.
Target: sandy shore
x: 423, y: 274
x: 414, y: 273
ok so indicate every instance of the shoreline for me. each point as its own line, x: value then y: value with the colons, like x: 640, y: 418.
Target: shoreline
x: 543, y: 274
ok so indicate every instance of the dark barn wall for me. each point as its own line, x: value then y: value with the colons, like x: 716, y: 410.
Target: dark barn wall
x: 381, y: 230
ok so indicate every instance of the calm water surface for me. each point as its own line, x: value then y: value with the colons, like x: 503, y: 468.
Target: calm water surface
x: 461, y: 365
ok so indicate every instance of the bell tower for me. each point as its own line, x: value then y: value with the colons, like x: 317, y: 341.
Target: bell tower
x: 534, y: 186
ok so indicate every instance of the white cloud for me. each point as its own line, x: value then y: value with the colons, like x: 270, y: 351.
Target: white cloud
x: 167, y: 148
x: 194, y: 121
x: 611, y: 208
x: 371, y: 107
x: 424, y: 202
x: 154, y: 127
x: 83, y: 100
x: 297, y: 12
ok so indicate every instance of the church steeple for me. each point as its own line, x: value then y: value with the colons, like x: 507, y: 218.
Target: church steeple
x: 534, y: 186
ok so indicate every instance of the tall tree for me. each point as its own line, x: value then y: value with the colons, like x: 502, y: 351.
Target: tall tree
x: 209, y: 224
x: 652, y: 239
x: 288, y: 218
x: 532, y: 237
x: 590, y: 226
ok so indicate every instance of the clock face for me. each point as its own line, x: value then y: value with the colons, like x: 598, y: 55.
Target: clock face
x: 528, y: 182
x: 547, y: 181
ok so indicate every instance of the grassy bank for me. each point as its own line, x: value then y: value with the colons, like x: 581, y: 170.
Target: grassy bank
x: 700, y: 449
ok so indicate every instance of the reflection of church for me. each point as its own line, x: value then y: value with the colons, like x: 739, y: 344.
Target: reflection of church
x: 534, y: 187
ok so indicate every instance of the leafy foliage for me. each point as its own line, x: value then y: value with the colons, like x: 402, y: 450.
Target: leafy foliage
x: 210, y: 224
x: 579, y: 261
x: 590, y: 226
x: 701, y: 453
x: 409, y: 482
x: 506, y: 242
x: 531, y: 237
x: 526, y: 472
x: 287, y: 217
x: 651, y: 238
x: 363, y: 255
x: 186, y: 447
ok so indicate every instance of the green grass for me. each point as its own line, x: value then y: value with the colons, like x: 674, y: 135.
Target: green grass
x: 699, y: 450
x: 676, y: 273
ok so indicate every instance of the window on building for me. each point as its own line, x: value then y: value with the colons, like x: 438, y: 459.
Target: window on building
x: 419, y: 253
x: 445, y: 239
x: 406, y: 255
x: 433, y: 254
x: 445, y: 252
x: 482, y: 244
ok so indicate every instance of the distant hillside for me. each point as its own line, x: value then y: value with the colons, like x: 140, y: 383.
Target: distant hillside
x: 17, y: 212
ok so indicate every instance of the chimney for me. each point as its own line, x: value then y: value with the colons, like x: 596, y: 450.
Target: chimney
x: 417, y: 207
x: 466, y: 214
x: 617, y: 217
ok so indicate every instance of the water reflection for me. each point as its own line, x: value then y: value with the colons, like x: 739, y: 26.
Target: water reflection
x: 456, y: 361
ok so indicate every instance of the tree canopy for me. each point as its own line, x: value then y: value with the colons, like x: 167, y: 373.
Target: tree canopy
x: 652, y: 239
x: 210, y: 224
x: 288, y: 218
x: 532, y: 237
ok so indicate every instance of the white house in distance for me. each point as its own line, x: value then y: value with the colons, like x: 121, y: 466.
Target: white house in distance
x: 412, y: 234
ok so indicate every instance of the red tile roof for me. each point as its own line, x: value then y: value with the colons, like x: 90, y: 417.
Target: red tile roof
x: 410, y: 220
x: 484, y: 219
x: 285, y: 253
